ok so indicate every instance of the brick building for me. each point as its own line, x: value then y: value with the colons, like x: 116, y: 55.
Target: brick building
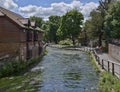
x: 19, y: 37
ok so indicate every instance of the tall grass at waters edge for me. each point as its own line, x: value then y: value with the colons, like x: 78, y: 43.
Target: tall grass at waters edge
x: 107, y: 82
x: 18, y: 66
x: 93, y: 63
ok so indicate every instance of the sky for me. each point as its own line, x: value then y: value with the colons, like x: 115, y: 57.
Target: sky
x: 46, y: 8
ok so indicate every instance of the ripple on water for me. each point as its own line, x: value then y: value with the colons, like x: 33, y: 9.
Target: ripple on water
x: 68, y: 71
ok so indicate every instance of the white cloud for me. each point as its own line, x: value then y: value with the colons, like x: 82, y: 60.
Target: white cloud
x: 9, y: 4
x: 57, y: 9
x: 88, y: 7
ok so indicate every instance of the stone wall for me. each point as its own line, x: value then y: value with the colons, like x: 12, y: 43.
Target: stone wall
x: 114, y: 51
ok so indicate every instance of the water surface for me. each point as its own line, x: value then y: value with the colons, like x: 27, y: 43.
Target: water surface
x: 67, y: 71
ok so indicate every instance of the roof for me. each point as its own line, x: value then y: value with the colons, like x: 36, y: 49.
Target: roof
x: 13, y: 16
x: 18, y: 19
x: 1, y: 14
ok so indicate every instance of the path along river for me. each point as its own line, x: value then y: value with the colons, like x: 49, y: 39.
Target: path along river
x: 67, y: 71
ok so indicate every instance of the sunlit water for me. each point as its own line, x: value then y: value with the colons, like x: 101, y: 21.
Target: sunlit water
x: 67, y: 71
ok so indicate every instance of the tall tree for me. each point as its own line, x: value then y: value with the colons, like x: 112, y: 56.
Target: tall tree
x: 102, y: 8
x: 54, y: 23
x: 112, y: 23
x: 93, y: 26
x: 88, y: 27
x: 71, y: 25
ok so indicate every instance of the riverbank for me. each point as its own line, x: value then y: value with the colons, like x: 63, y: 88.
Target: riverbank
x: 107, y: 82
x: 18, y: 77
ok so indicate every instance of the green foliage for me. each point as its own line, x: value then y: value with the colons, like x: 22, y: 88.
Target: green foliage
x: 21, y: 83
x: 51, y: 28
x: 109, y: 82
x: 71, y: 25
x: 112, y: 21
x: 89, y: 29
x: 45, y: 27
x: 15, y: 67
x: 93, y: 63
x: 94, y: 25
x: 65, y: 42
x: 39, y: 21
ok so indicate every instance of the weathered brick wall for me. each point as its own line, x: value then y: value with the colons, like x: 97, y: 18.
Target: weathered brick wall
x: 114, y: 51
x: 23, y: 34
x: 9, y: 48
x: 9, y: 32
x: 23, y: 51
x: 13, y: 39
x: 9, y: 37
x: 40, y: 36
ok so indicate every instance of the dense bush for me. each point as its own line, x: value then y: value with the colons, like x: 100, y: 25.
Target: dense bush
x: 65, y: 42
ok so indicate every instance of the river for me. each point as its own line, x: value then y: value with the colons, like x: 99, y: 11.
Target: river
x: 67, y: 71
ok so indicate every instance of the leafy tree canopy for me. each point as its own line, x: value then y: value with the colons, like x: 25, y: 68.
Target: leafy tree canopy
x: 71, y: 25
x: 53, y: 25
x: 112, y: 22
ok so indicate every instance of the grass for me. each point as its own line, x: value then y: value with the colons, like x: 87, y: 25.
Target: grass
x: 21, y: 83
x: 17, y: 67
x: 109, y: 82
x: 14, y: 81
x: 93, y: 63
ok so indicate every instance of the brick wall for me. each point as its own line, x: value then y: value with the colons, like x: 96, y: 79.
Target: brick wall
x: 13, y: 39
x: 9, y: 32
x: 9, y: 48
x: 114, y: 51
x: 9, y: 37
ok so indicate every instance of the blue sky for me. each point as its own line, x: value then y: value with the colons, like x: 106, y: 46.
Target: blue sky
x: 47, y: 3
x: 46, y: 8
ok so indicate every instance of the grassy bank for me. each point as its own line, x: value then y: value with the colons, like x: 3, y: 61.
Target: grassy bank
x: 28, y: 82
x: 109, y: 83
x: 93, y: 62
x: 18, y: 66
x: 14, y: 81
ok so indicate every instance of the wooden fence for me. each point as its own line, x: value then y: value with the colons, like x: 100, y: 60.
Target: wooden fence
x: 108, y: 65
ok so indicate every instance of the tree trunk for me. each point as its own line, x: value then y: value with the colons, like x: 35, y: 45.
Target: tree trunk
x: 73, y: 41
x: 100, y: 39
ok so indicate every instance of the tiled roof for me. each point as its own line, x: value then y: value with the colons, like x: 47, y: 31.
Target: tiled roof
x: 13, y: 16
x: 18, y: 19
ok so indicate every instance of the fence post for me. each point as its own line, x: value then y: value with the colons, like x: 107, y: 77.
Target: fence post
x: 102, y: 64
x: 113, y: 69
x: 98, y: 60
x: 108, y: 66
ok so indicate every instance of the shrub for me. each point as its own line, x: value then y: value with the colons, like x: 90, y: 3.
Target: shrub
x: 109, y: 82
x: 17, y: 66
x: 65, y: 42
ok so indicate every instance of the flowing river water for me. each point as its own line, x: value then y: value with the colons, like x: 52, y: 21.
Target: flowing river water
x: 67, y: 71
